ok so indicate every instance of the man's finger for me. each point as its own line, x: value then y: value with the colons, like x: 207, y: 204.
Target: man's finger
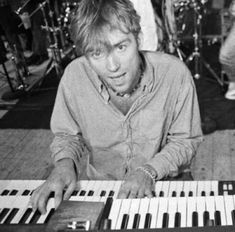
x: 58, y: 197
x: 42, y: 201
x: 69, y: 190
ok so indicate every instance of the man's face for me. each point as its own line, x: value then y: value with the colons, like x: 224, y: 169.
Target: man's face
x: 118, y: 65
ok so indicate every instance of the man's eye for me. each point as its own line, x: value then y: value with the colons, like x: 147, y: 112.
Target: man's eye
x: 121, y: 47
x: 98, y: 54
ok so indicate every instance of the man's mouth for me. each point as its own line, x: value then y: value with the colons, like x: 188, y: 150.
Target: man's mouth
x: 117, y: 76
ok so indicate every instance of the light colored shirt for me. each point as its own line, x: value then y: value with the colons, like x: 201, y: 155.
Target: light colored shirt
x: 162, y: 127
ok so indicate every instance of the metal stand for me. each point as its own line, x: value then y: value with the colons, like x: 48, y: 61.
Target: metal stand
x: 55, y: 60
x: 196, y: 56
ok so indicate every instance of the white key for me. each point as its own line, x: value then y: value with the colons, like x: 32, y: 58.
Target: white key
x: 89, y: 187
x: 229, y: 206
x: 162, y: 208
x: 172, y: 209
x: 193, y: 188
x: 6, y: 202
x: 50, y: 205
x: 143, y: 210
x: 133, y: 210
x: 3, y: 185
x: 114, y: 212
x: 191, y: 203
x: 186, y: 188
x: 208, y: 187
x: 165, y: 188
x: 182, y: 209
x: 215, y: 187
x: 81, y: 185
x: 116, y: 188
x: 22, y: 203
x: 172, y: 188
x: 125, y: 206
x: 107, y: 189
x: 210, y: 206
x: 94, y: 188
x: 219, y: 205
x: 158, y: 188
x: 200, y: 187
x: 153, y: 210
x: 179, y: 187
x: 201, y: 208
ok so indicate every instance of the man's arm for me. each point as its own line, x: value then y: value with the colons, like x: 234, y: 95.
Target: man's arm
x: 184, y: 135
x: 67, y: 148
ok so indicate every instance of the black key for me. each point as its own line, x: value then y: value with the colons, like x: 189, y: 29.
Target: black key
x: 203, y: 193
x: 26, y: 192
x: 105, y: 213
x: 90, y: 193
x: 136, y: 221
x: 49, y: 215
x: 107, y: 224
x: 35, y: 217
x: 212, y: 193
x: 177, y: 219
x: 5, y: 192
x: 82, y: 193
x: 190, y: 194
x: 52, y: 195
x: 165, y: 220
x: 111, y: 193
x: 103, y: 192
x: 233, y: 216
x: 217, y: 218
x: 182, y: 193
x: 25, y: 216
x: 3, y: 213
x: 75, y: 193
x: 147, y: 221
x: 13, y: 192
x: 206, y: 218
x: 174, y: 194
x: 11, y: 215
x: 125, y: 220
x: 195, y: 219
x: 161, y: 194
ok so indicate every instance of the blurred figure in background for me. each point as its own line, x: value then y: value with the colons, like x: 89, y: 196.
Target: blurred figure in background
x: 9, y: 22
x: 40, y: 40
x: 227, y: 56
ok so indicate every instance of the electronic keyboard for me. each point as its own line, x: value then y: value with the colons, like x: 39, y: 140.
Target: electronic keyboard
x: 177, y: 206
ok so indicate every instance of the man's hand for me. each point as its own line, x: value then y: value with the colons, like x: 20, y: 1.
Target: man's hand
x: 63, y: 176
x: 137, y: 185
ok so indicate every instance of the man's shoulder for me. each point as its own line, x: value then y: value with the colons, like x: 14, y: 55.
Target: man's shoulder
x: 162, y: 58
x: 76, y: 69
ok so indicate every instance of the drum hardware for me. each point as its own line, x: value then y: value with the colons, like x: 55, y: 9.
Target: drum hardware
x: 55, y: 59
x: 196, y: 56
x: 17, y: 84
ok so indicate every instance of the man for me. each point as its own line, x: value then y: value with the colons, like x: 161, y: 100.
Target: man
x: 227, y: 56
x: 119, y: 113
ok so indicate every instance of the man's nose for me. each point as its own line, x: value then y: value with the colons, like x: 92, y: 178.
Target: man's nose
x: 113, y: 63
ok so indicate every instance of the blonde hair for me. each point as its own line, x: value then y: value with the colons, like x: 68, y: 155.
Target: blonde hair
x: 93, y: 17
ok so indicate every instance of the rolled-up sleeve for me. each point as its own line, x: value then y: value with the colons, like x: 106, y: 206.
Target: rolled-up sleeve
x: 184, y: 134
x: 68, y: 141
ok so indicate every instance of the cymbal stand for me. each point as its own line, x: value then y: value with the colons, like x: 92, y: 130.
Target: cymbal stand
x: 21, y: 70
x: 55, y: 60
x: 196, y: 54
